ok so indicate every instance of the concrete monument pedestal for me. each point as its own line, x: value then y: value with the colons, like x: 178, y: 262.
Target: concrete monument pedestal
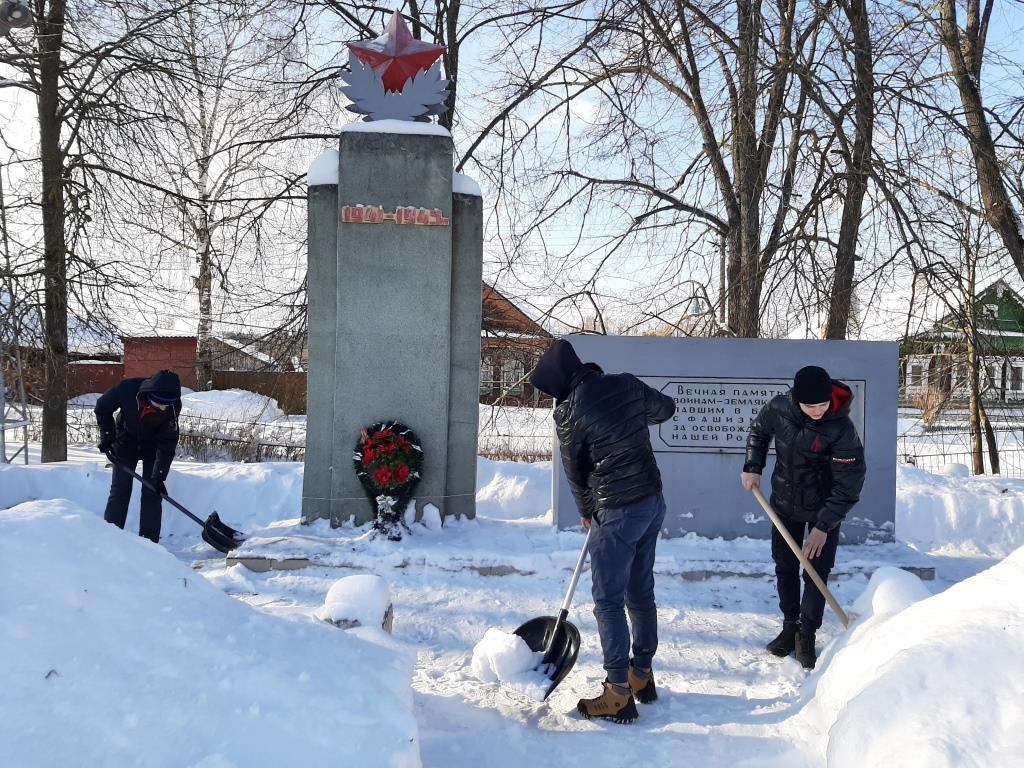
x: 394, y: 285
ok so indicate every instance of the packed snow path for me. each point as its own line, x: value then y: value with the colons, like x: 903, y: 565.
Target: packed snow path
x: 723, y: 699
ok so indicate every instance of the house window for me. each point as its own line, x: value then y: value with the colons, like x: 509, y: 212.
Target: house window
x: 990, y: 370
x: 512, y: 374
x: 1016, y: 378
x: 916, y: 374
x: 488, y: 381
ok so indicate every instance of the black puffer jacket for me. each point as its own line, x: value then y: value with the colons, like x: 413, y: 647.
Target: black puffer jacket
x: 602, y: 425
x: 819, y: 466
x: 139, y: 425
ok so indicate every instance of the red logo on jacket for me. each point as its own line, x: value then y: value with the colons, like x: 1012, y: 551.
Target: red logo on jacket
x: 817, y: 445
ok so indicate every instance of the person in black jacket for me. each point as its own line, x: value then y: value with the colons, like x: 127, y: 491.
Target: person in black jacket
x: 146, y: 427
x: 602, y: 424
x: 819, y: 472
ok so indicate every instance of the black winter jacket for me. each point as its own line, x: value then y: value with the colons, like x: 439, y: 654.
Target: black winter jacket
x: 602, y: 425
x: 156, y: 429
x: 819, y: 465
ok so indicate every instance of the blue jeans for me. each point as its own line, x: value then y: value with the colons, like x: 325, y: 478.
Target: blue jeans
x: 622, y: 568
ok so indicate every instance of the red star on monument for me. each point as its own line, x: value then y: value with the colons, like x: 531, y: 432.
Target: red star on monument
x: 396, y: 56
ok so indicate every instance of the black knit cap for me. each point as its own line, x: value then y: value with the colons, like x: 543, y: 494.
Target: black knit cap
x: 812, y: 385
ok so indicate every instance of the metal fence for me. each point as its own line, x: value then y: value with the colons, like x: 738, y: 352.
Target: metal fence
x: 202, y: 438
x: 946, y: 445
x: 208, y: 439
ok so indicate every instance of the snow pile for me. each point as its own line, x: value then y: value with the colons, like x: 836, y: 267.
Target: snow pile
x: 115, y: 653
x: 363, y: 600
x: 952, y: 514
x: 323, y: 169
x: 889, y: 591
x: 508, y: 490
x: 506, y: 658
x: 88, y: 400
x: 231, y: 405
x: 945, y: 671
x: 247, y: 496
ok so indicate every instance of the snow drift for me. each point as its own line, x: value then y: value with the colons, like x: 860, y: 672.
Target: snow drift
x: 951, y: 514
x: 115, y: 653
x: 926, y: 682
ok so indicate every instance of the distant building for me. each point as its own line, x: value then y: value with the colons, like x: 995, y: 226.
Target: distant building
x: 937, y: 357
x: 511, y: 342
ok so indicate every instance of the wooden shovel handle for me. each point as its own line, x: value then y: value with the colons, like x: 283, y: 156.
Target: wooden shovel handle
x: 800, y: 555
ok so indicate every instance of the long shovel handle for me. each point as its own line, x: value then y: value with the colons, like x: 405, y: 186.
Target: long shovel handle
x: 564, y: 612
x: 576, y: 572
x: 149, y: 485
x: 796, y: 549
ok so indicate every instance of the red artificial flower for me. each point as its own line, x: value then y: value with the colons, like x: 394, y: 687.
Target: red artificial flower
x: 387, y: 448
x: 404, y: 444
x: 382, y: 476
x: 382, y: 433
x: 402, y: 473
x: 369, y: 455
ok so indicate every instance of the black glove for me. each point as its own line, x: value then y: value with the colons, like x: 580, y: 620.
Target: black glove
x: 108, y: 446
x: 158, y: 486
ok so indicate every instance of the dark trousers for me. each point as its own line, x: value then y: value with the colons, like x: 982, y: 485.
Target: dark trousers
x: 121, y: 493
x: 811, y: 609
x: 621, y: 549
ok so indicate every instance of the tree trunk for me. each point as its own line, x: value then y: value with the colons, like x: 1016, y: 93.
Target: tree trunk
x: 859, y: 162
x: 978, y: 459
x: 451, y: 62
x: 965, y: 58
x: 745, y: 237
x: 990, y: 441
x: 55, y: 417
x: 204, y: 287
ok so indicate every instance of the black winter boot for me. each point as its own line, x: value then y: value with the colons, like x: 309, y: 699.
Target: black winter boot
x: 784, y: 644
x: 805, y: 652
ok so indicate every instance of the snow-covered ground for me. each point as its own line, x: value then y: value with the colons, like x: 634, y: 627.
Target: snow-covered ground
x: 164, y: 655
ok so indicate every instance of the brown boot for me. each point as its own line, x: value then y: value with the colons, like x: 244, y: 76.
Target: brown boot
x: 610, y: 705
x: 642, y: 687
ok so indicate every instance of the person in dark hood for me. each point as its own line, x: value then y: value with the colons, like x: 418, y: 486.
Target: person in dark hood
x: 602, y: 424
x: 819, y: 472
x: 146, y: 427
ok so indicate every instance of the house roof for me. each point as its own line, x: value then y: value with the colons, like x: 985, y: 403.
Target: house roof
x: 948, y: 327
x: 500, y: 315
x: 246, y: 349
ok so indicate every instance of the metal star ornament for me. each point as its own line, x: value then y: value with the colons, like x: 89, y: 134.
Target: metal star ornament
x: 396, y: 56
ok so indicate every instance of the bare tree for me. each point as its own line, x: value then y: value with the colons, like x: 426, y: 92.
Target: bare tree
x: 76, y: 61
x: 966, y: 51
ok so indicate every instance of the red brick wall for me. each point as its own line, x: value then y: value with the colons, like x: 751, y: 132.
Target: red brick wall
x: 93, y: 377
x: 145, y: 356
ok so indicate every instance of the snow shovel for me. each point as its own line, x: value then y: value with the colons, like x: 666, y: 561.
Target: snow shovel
x: 798, y: 551
x: 216, y: 532
x: 555, y: 636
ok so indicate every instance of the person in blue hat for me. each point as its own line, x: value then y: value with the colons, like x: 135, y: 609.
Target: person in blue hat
x: 146, y: 427
x: 818, y: 476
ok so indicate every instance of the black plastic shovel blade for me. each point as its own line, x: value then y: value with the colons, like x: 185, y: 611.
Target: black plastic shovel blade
x: 220, y: 535
x: 562, y: 650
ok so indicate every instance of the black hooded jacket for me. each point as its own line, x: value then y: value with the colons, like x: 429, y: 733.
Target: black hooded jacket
x: 602, y: 424
x: 139, y: 426
x: 819, y: 465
